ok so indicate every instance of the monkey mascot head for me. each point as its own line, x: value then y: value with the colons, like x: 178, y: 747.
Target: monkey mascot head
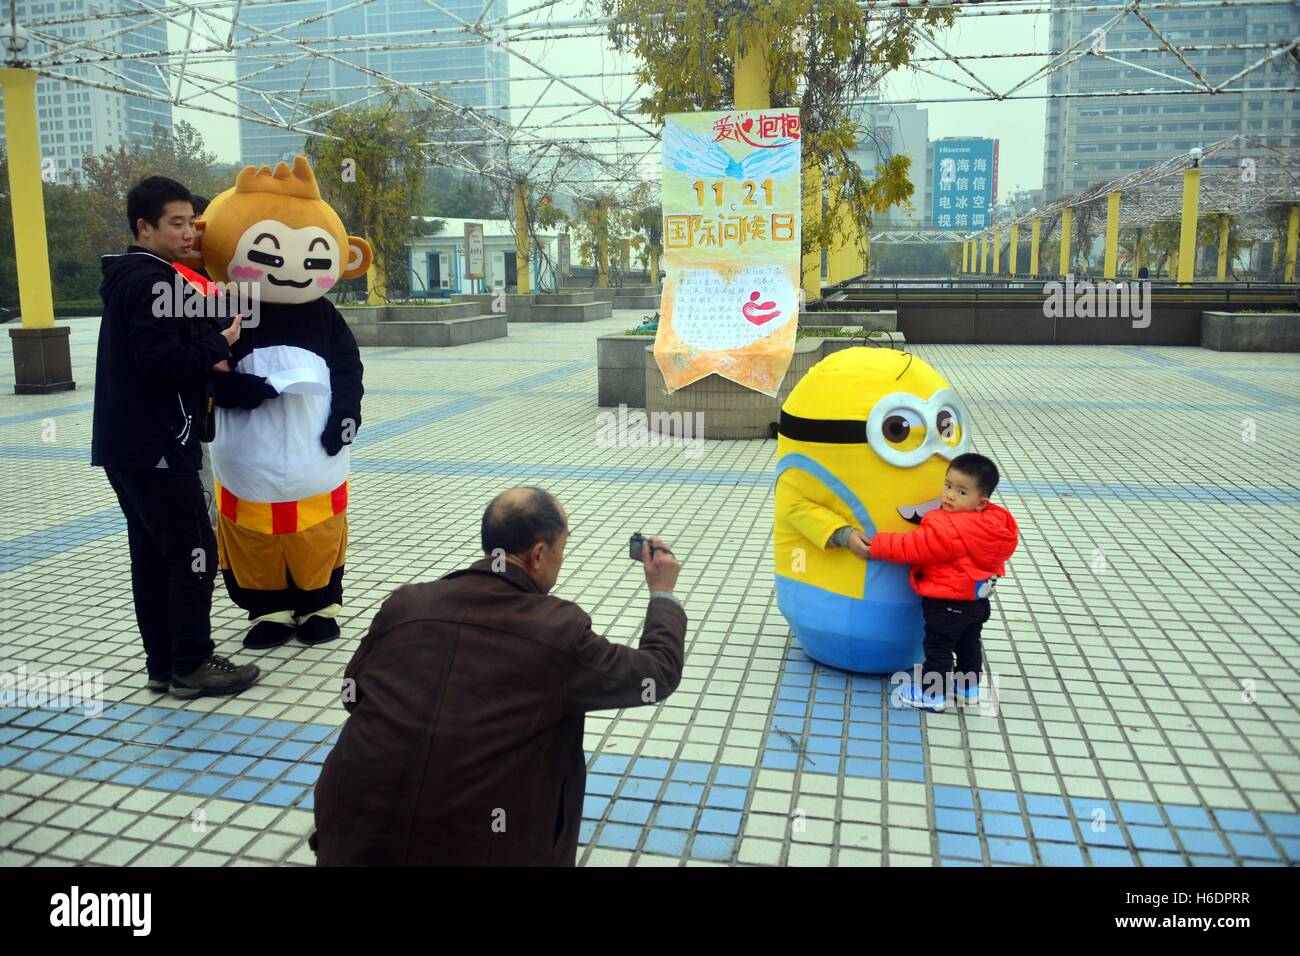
x: 273, y: 228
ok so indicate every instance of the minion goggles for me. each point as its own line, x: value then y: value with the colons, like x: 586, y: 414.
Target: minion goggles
x: 893, y: 418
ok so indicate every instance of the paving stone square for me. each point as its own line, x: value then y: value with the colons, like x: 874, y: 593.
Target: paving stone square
x: 1142, y: 707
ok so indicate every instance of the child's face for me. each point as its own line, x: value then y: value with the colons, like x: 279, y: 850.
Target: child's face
x: 961, y: 493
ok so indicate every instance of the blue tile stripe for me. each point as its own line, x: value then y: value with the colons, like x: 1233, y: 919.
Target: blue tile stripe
x: 46, y: 413
x: 673, y: 807
x: 48, y: 542
x: 1215, y: 377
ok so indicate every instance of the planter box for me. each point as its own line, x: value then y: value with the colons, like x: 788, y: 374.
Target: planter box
x: 724, y: 409
x: 577, y: 305
x: 429, y: 333
x: 1244, y: 332
x: 620, y: 369
x: 886, y: 319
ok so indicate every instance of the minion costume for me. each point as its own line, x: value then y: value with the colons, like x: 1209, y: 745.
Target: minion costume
x: 291, y: 405
x: 865, y: 439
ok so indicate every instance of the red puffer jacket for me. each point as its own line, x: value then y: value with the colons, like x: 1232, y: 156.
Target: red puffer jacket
x: 954, y: 554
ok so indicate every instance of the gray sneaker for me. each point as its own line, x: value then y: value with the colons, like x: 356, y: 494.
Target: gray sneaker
x: 215, y: 676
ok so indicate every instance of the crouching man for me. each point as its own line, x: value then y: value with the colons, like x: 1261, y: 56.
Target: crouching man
x: 464, y: 744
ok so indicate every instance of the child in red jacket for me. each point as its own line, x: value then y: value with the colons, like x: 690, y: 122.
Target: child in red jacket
x: 957, y: 555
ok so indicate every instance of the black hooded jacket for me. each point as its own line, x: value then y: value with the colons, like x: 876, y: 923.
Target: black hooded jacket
x: 151, y: 372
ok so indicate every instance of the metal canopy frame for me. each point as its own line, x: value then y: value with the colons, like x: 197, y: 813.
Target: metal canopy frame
x: 607, y: 145
x: 1155, y: 194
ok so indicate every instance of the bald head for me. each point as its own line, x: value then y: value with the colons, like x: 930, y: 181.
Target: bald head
x: 517, y: 519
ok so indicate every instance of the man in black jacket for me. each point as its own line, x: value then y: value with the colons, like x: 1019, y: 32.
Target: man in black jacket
x: 151, y: 385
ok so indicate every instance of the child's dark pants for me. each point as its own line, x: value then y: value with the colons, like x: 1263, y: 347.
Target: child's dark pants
x: 952, y: 626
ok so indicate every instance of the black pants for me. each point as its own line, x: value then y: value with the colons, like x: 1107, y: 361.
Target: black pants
x: 173, y: 565
x: 952, y: 626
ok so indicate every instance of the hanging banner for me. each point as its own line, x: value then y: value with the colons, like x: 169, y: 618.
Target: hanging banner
x: 473, y: 250
x: 563, y: 248
x: 731, y: 204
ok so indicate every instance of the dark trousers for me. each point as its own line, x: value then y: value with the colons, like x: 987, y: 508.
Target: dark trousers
x: 952, y: 626
x: 173, y: 565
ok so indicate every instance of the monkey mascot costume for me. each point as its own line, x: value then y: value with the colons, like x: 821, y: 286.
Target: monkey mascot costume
x: 290, y: 405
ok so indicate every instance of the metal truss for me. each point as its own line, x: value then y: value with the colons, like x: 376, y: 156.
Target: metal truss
x: 1241, y: 176
x: 590, y: 141
x: 920, y: 234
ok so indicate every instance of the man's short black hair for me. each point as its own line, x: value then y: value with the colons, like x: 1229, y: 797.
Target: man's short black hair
x: 149, y: 197
x: 200, y: 204
x: 978, y: 467
x: 517, y: 519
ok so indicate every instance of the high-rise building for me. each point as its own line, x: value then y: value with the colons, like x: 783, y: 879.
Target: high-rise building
x: 73, y: 119
x: 889, y: 131
x: 316, y: 79
x: 1095, y: 139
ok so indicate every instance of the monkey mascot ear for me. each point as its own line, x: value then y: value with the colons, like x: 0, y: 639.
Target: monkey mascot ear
x: 358, y: 258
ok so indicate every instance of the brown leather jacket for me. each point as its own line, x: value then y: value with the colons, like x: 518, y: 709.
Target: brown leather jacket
x: 464, y: 740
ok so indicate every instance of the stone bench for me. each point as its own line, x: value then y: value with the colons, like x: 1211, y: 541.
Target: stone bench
x: 1251, y: 332
x: 429, y: 326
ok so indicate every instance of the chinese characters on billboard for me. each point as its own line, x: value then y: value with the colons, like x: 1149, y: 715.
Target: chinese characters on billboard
x: 731, y: 203
x: 965, y: 183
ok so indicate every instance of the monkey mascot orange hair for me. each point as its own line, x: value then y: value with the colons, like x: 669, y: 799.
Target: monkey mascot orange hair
x: 291, y: 405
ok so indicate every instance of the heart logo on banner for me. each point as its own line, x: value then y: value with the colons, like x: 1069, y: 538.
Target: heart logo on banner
x: 747, y: 125
x: 760, y: 313
x: 711, y: 313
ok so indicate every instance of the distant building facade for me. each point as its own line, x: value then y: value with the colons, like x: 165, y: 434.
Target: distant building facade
x: 1091, y: 140
x: 75, y: 120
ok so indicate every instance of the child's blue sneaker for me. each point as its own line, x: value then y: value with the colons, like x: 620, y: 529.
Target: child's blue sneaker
x: 967, y: 691
x: 913, y: 697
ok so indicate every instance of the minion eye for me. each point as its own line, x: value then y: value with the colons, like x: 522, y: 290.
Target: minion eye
x: 896, y: 428
x: 948, y: 424
x: 899, y: 425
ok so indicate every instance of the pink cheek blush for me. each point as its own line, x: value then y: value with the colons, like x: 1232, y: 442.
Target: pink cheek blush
x: 245, y: 272
x: 325, y: 281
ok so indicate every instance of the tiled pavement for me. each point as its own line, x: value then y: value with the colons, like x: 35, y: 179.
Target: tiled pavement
x: 1143, y: 647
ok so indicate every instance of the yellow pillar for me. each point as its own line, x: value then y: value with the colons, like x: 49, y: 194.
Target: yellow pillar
x: 1067, y: 224
x: 835, y: 261
x: 997, y: 252
x: 625, y: 256
x: 1034, y: 229
x: 1187, y: 235
x: 965, y: 255
x: 1222, y: 272
x: 752, y: 83
x: 654, y: 265
x: 602, y: 249
x: 1111, y: 259
x: 812, y: 214
x: 1292, y: 228
x: 35, y: 300
x: 523, y: 274
x: 1137, y: 251
x: 985, y: 262
x: 1015, y: 241
x: 863, y: 252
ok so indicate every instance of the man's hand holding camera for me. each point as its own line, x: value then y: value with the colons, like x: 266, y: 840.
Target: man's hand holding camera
x: 661, y: 566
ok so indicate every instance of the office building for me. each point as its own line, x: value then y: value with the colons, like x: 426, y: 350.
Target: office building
x: 472, y: 75
x: 1096, y: 139
x: 74, y: 119
x: 889, y: 131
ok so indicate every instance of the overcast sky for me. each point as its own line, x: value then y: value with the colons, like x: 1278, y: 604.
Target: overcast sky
x: 1019, y: 124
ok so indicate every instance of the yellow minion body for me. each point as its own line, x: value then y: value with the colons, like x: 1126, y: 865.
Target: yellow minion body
x: 865, y: 441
